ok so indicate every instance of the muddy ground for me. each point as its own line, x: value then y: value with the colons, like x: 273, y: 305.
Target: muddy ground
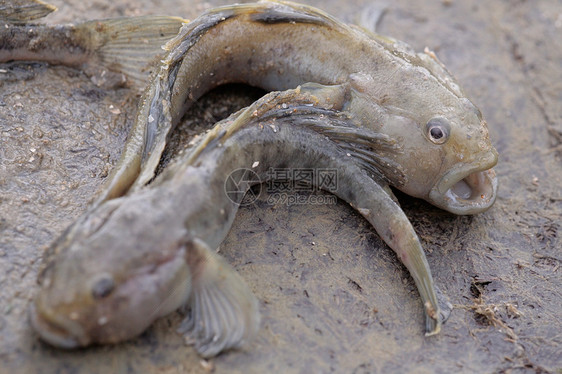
x: 333, y: 297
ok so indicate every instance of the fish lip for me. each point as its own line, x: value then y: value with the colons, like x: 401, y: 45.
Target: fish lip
x: 478, y: 178
x: 56, y: 334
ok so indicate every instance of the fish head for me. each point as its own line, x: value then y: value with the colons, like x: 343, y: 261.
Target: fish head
x: 446, y: 156
x: 466, y: 182
x: 448, y: 160
x: 114, y: 273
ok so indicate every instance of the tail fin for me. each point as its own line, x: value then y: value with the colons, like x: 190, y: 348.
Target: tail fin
x: 131, y: 46
x: 24, y: 10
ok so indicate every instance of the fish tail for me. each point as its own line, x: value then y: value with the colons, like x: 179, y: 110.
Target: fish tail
x: 224, y: 312
x: 24, y: 10
x: 131, y: 46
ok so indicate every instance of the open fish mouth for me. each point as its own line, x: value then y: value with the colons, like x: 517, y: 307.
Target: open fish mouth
x: 57, y: 334
x: 468, y: 188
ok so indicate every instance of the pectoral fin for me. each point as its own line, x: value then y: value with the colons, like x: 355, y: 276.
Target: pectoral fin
x: 224, y: 313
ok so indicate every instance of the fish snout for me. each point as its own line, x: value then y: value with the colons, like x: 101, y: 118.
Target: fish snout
x: 59, y: 332
x: 468, y: 188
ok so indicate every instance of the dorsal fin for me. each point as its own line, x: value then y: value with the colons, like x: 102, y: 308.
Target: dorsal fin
x: 24, y: 10
x: 368, y: 147
x: 280, y: 12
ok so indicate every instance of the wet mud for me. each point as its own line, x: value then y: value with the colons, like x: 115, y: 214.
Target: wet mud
x: 333, y: 297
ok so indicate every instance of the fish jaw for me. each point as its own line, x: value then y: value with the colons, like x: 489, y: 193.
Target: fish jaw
x: 467, y: 188
x: 57, y: 333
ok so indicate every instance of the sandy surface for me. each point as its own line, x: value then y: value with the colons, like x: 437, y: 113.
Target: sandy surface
x: 333, y: 297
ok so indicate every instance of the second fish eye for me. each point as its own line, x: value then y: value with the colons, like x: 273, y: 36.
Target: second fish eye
x: 103, y: 287
x: 438, y: 130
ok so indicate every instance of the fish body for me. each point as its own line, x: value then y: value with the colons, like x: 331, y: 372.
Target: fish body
x: 267, y: 45
x: 378, y: 113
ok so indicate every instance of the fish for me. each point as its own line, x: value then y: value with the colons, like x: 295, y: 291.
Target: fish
x: 156, y: 263
x: 267, y: 45
x: 98, y: 47
x: 366, y: 105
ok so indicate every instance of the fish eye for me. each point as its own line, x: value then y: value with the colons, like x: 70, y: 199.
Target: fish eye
x: 103, y: 287
x: 438, y: 130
